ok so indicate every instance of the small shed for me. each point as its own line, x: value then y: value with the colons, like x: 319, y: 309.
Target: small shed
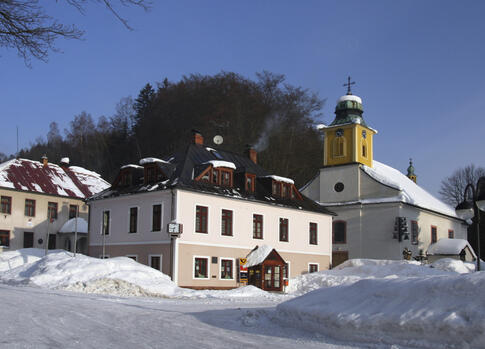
x: 451, y: 248
x: 265, y: 268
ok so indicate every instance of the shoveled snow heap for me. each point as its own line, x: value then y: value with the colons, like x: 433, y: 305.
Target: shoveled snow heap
x: 410, y: 192
x: 393, y: 302
x: 119, y: 276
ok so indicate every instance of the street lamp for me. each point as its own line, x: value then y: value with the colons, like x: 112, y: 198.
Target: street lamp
x: 469, y: 209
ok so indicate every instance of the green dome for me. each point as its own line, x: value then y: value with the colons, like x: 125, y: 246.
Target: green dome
x: 349, y: 110
x: 411, y: 168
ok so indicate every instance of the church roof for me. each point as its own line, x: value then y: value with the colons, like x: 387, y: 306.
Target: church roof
x: 409, y: 192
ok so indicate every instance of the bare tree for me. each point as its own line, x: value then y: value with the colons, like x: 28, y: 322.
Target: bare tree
x: 27, y: 28
x: 453, y: 187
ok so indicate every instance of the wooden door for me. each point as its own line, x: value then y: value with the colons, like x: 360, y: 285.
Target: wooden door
x: 28, y: 239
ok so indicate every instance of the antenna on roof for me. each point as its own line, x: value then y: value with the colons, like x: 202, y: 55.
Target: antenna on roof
x: 218, y: 139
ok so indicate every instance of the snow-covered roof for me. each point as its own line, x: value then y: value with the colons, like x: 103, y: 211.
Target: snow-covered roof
x: 130, y: 166
x: 151, y: 160
x: 350, y: 98
x: 65, y: 161
x: 33, y: 176
x: 220, y: 163
x: 280, y: 179
x: 410, y: 192
x: 449, y: 247
x: 70, y: 226
x: 258, y: 255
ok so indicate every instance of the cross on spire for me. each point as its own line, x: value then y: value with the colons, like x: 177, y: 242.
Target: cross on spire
x: 348, y: 84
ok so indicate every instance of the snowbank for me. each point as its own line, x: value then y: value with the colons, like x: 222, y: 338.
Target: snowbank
x: 440, y: 311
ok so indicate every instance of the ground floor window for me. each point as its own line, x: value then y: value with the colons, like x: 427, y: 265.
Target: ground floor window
x: 226, y: 269
x: 451, y: 234
x: 52, y: 242
x: 4, y: 238
x: 434, y: 234
x: 312, y: 268
x: 200, y: 268
x: 155, y: 262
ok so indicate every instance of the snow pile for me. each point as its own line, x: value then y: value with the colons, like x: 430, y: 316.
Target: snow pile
x: 436, y: 311
x: 454, y: 265
x: 258, y: 255
x: 449, y: 247
x: 410, y: 192
x: 13, y: 259
x: 70, y: 226
x: 354, y: 270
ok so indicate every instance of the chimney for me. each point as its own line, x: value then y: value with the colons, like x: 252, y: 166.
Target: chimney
x: 45, y: 161
x: 197, y: 137
x: 251, y: 153
x: 65, y: 162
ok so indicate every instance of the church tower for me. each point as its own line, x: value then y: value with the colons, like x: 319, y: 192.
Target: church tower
x: 411, y: 175
x: 348, y: 139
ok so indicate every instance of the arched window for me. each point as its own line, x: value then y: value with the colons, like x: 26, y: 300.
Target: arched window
x: 339, y: 146
x: 339, y: 232
x: 364, y: 148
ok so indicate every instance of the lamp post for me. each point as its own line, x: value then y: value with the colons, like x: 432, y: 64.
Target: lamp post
x: 469, y: 209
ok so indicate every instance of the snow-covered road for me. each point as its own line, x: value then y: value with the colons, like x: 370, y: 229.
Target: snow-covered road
x: 40, y: 318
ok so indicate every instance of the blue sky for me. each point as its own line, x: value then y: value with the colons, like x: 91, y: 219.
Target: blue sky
x: 419, y: 67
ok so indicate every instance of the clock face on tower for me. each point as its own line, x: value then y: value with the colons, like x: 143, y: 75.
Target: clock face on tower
x: 364, y: 134
x: 339, y: 132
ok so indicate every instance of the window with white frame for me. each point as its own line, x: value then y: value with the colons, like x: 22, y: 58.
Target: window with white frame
x: 105, y: 224
x: 133, y: 226
x: 201, y: 265
x: 227, y: 267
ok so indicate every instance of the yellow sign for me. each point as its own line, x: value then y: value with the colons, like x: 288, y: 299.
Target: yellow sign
x: 242, y: 261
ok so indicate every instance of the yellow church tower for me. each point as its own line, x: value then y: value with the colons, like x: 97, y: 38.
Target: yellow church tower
x: 348, y: 139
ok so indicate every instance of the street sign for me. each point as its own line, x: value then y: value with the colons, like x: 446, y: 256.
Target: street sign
x: 243, y: 270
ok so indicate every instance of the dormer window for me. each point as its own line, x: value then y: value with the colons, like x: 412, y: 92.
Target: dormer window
x: 215, y: 176
x: 150, y: 174
x: 220, y: 173
x: 283, y: 187
x: 125, y: 178
x: 250, y: 182
x: 226, y: 178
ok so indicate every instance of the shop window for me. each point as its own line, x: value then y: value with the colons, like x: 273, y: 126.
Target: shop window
x: 200, y: 268
x: 226, y: 269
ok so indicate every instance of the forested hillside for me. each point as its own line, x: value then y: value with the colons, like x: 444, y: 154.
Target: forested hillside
x: 276, y: 118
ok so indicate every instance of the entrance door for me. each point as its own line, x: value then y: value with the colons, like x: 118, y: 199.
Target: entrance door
x: 52, y: 242
x: 28, y: 239
x: 272, y: 278
x: 338, y: 257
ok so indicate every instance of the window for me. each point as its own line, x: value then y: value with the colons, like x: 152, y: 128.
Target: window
x: 132, y: 256
x: 226, y: 223
x: 4, y: 238
x: 451, y: 234
x: 157, y: 217
x: 206, y: 176
x: 151, y: 174
x: 226, y: 269
x: 133, y: 219
x: 200, y: 268
x: 285, y: 190
x: 29, y: 207
x: 226, y: 178
x: 201, y: 219
x: 73, y: 211
x: 250, y: 182
x: 286, y: 270
x: 414, y: 232
x: 257, y: 226
x: 155, y: 262
x: 215, y: 176
x: 364, y: 150
x: 313, y: 234
x: 284, y: 229
x: 338, y: 146
x: 105, y: 223
x: 339, y: 232
x: 434, y: 234
x: 125, y: 178
x: 52, y: 210
x: 276, y: 188
x: 312, y: 268
x: 29, y: 239
x: 6, y: 205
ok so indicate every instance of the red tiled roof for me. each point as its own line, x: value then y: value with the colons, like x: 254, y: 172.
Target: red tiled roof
x: 33, y: 176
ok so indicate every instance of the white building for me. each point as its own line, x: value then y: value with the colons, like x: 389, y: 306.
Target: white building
x: 225, y: 205
x: 371, y: 198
